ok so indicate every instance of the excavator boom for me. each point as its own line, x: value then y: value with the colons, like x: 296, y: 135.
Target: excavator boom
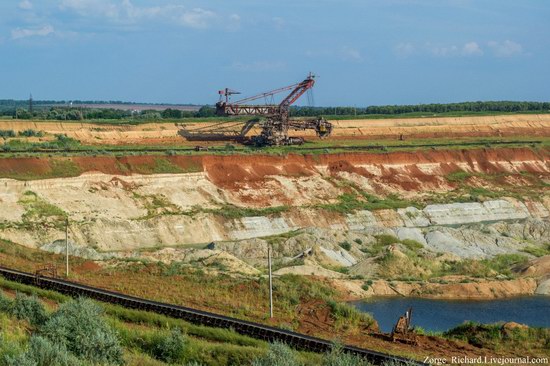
x: 275, y: 127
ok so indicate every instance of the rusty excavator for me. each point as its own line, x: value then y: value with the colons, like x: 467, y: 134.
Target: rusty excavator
x: 277, y: 121
x: 274, y: 119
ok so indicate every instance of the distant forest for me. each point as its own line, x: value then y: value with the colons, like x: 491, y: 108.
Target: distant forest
x: 62, y: 111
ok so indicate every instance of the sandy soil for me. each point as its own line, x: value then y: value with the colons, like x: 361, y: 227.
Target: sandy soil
x: 411, y: 128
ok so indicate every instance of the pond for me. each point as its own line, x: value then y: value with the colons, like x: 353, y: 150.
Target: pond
x: 440, y: 315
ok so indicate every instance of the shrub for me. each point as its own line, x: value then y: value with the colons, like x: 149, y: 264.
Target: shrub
x: 78, y: 325
x: 385, y: 239
x: 367, y: 285
x: 337, y: 357
x: 536, y: 251
x: 7, y: 133
x: 476, y: 334
x: 279, y: 354
x: 412, y: 244
x: 5, y: 303
x: 358, y: 241
x: 345, y: 245
x: 171, y: 348
x: 29, y: 308
x: 43, y: 352
x: 31, y: 133
x: 348, y: 315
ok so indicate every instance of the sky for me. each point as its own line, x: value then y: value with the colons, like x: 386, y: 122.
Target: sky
x: 364, y: 52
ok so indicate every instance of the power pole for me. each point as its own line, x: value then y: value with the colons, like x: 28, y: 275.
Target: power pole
x: 67, y: 247
x: 270, y: 282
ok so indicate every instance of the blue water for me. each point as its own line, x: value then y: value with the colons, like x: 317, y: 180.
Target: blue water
x: 440, y: 315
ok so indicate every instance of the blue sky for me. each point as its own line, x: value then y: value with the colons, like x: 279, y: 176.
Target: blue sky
x: 366, y: 52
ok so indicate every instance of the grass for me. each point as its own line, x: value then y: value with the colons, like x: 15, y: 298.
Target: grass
x: 413, y: 265
x: 229, y: 211
x: 281, y: 238
x: 60, y: 167
x: 38, y: 214
x: 348, y: 316
x: 13, y: 336
x: 142, y: 317
x: 458, y: 177
x: 350, y: 202
x: 501, y: 264
x: 383, y: 240
x: 314, y: 146
x: 164, y: 166
x: 156, y: 205
x: 188, y: 285
x: 537, y: 251
x: 496, y: 336
x: 36, y: 207
x: 142, y: 335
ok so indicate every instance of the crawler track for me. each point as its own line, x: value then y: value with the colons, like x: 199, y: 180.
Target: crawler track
x: 254, y: 330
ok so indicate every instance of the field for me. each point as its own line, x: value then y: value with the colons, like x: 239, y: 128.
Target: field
x: 392, y: 131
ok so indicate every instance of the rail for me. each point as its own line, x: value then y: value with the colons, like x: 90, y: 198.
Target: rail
x: 254, y: 330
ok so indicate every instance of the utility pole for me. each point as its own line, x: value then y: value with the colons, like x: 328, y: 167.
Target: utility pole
x: 270, y: 282
x: 67, y: 247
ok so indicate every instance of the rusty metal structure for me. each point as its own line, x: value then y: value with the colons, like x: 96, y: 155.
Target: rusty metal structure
x: 402, y: 330
x: 49, y: 270
x: 276, y: 120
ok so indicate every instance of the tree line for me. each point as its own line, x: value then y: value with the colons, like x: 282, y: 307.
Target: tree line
x: 503, y: 106
x: 78, y: 113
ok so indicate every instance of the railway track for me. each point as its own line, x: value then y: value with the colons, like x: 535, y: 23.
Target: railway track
x: 296, y: 149
x: 254, y: 330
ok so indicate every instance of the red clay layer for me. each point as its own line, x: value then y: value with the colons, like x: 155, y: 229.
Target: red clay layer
x: 226, y: 170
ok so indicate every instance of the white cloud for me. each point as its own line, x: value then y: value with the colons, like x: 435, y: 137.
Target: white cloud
x: 19, y: 33
x: 467, y: 49
x: 197, y: 18
x: 125, y: 12
x: 471, y: 49
x: 404, y: 49
x: 25, y: 5
x: 506, y: 49
x: 350, y: 54
x: 87, y: 8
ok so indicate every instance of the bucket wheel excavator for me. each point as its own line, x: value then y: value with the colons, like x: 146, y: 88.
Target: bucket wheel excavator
x: 274, y: 119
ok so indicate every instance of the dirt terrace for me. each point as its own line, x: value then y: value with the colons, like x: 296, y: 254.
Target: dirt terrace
x: 228, y: 169
x: 373, y: 129
x: 267, y: 180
